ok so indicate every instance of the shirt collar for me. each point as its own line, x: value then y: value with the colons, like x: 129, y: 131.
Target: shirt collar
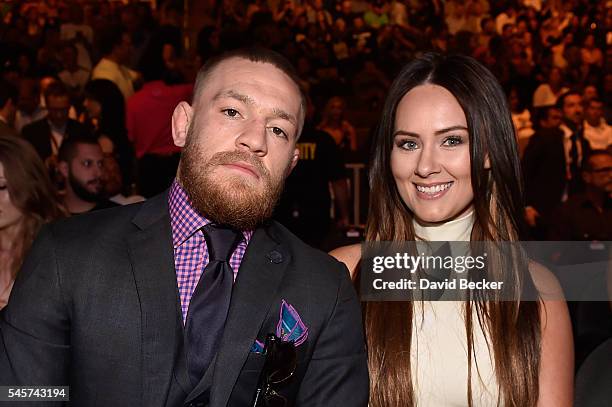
x: 184, y: 219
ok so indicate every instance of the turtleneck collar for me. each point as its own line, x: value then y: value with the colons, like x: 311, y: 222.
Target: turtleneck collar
x: 457, y: 230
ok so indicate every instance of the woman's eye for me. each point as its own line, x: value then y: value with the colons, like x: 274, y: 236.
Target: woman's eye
x: 230, y: 112
x: 453, y: 141
x: 408, y: 144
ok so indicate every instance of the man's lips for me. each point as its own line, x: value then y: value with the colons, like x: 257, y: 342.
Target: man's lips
x: 244, y: 167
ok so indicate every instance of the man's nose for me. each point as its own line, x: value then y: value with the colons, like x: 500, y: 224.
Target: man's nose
x: 253, y: 138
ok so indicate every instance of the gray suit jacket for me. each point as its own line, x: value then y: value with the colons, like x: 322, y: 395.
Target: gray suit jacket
x: 96, y: 307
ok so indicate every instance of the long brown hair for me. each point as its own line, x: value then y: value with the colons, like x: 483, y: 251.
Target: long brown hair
x: 30, y: 190
x: 512, y: 328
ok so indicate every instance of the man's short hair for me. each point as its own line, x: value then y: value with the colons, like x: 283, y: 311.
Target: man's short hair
x: 561, y: 99
x: 593, y: 100
x: 56, y: 89
x: 588, y: 164
x: 8, y: 91
x: 68, y: 149
x: 254, y: 54
x: 109, y: 38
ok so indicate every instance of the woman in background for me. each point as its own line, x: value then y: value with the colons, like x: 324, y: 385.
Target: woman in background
x: 27, y: 200
x: 334, y: 123
x: 445, y: 167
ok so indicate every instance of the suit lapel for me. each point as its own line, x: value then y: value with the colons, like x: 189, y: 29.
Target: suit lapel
x: 152, y: 257
x: 259, y: 277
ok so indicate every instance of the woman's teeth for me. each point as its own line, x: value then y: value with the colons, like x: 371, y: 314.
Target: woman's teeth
x: 434, y: 189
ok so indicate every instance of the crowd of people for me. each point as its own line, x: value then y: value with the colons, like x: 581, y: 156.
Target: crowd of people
x: 88, y: 91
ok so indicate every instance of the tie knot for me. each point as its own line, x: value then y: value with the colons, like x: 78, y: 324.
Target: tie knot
x: 221, y: 241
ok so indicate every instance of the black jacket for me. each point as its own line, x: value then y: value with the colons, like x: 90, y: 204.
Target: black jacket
x: 96, y: 307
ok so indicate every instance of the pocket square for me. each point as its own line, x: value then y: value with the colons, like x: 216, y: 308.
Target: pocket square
x: 290, y: 328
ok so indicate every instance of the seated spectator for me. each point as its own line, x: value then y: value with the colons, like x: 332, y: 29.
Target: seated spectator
x: 335, y: 124
x: 116, y: 46
x: 547, y: 93
x: 8, y: 107
x: 47, y: 134
x: 29, y: 109
x: 148, y: 117
x: 591, y: 55
x: 81, y: 163
x: 27, y: 200
x: 73, y: 75
x: 597, y: 132
x: 105, y: 109
x: 304, y: 206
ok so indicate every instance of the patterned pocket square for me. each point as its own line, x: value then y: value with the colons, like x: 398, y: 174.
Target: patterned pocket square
x: 290, y: 328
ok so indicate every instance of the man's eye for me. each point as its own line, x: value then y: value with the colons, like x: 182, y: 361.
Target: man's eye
x: 279, y: 132
x: 87, y: 163
x: 230, y: 112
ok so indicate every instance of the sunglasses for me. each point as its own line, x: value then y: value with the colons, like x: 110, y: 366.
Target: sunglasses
x: 279, y: 366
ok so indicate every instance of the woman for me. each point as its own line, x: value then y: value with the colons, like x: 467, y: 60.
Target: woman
x: 334, y: 123
x: 445, y: 167
x: 105, y: 108
x: 27, y: 200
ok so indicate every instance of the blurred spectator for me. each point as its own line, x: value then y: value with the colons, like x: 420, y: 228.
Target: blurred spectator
x: 521, y: 118
x: 597, y: 132
x: 27, y: 200
x: 76, y: 26
x: 81, y: 163
x: 116, y: 46
x: 149, y: 113
x: 507, y: 16
x: 334, y: 123
x: 28, y: 104
x: 305, y: 204
x: 105, y: 111
x: 47, y: 134
x: 547, y: 93
x: 8, y: 108
x: 73, y: 75
x: 588, y: 216
x: 591, y: 55
x: 590, y: 92
x: 553, y: 160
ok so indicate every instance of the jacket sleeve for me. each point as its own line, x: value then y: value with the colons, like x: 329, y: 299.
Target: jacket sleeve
x: 34, y: 326
x: 337, y: 374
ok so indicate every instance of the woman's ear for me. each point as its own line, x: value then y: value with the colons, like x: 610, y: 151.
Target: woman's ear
x: 181, y: 120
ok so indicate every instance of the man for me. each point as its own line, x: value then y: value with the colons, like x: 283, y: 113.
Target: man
x: 47, y: 134
x: 126, y: 321
x: 80, y: 162
x: 116, y: 47
x: 587, y: 217
x: 597, y: 132
x: 8, y: 107
x: 147, y: 119
x: 305, y: 204
x: 553, y: 158
x: 29, y: 109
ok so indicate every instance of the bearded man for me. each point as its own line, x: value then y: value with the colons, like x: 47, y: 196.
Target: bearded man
x: 183, y: 300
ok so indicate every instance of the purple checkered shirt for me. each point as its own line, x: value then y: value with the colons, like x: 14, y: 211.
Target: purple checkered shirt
x: 190, y: 250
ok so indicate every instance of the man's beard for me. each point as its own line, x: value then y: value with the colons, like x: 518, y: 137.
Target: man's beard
x: 228, y: 199
x: 82, y: 192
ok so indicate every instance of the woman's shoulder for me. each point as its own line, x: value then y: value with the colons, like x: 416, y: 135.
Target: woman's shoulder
x: 545, y: 282
x: 349, y: 255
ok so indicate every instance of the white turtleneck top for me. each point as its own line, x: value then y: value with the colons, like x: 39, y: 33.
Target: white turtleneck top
x: 438, y: 353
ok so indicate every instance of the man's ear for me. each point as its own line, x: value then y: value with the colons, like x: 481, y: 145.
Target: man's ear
x: 294, y: 159
x: 62, y: 166
x: 181, y: 119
